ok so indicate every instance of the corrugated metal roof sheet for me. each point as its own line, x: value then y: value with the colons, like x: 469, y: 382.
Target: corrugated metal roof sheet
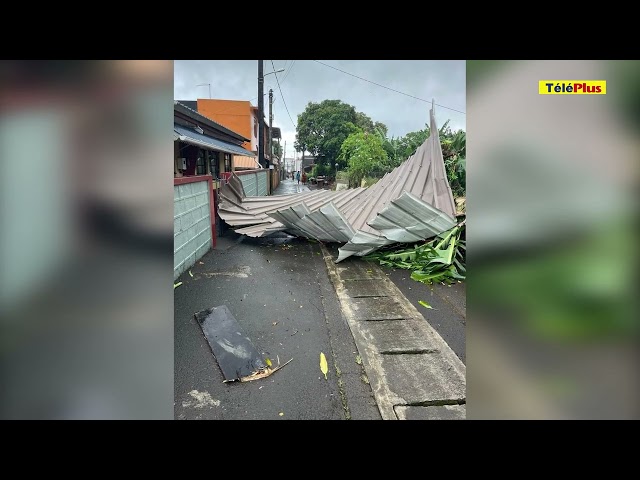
x: 409, y: 204
x: 189, y: 135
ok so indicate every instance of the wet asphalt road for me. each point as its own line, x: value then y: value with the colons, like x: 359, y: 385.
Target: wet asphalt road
x: 287, y: 306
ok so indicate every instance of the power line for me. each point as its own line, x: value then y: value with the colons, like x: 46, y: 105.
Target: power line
x: 388, y: 88
x: 286, y: 75
x: 285, y: 103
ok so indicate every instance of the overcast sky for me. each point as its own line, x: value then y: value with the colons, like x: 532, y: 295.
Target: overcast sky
x: 305, y: 81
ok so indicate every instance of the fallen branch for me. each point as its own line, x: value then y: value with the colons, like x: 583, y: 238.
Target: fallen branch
x: 263, y: 373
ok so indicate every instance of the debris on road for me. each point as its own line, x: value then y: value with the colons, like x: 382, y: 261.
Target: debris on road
x: 441, y: 260
x: 237, y: 357
x: 424, y: 304
x: 410, y: 204
x: 176, y: 285
x: 324, y: 368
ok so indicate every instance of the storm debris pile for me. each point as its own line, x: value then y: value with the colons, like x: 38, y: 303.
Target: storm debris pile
x: 409, y: 204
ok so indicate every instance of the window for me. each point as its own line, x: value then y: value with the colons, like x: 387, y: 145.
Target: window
x: 215, y: 165
x: 227, y: 162
x: 201, y: 166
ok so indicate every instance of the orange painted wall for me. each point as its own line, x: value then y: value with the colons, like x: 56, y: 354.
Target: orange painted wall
x: 233, y: 114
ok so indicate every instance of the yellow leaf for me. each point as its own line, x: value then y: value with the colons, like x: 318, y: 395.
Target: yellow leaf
x: 281, y: 414
x: 268, y: 362
x: 324, y: 368
x: 424, y: 304
x: 190, y: 273
x: 176, y: 285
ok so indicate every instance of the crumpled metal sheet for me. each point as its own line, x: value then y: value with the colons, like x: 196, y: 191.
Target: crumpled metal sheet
x: 409, y: 204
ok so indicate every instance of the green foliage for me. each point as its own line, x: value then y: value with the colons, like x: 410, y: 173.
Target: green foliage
x: 320, y: 169
x: 439, y: 260
x: 368, y: 181
x: 343, y: 176
x: 324, y: 126
x: 454, y: 152
x: 277, y: 149
x: 365, y: 123
x: 364, y: 155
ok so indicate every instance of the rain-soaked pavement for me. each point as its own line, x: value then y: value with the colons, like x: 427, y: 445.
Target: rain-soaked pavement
x: 279, y: 291
x: 289, y: 186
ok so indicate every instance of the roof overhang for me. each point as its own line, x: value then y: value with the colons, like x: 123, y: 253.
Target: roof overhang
x: 204, y: 141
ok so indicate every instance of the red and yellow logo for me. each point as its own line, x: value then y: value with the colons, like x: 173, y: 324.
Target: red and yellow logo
x: 572, y: 87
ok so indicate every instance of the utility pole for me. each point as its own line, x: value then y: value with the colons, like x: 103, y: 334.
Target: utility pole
x: 270, y: 125
x: 260, y: 113
x: 284, y: 157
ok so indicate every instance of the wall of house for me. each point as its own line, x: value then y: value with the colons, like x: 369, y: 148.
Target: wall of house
x: 254, y: 182
x: 192, y: 223
x: 236, y: 115
x: 254, y: 136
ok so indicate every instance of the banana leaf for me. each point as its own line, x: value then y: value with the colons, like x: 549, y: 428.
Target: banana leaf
x: 441, y: 259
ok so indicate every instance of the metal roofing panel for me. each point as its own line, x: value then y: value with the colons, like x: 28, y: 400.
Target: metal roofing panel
x: 189, y: 135
x: 409, y: 204
x: 409, y: 219
x: 361, y: 244
x: 326, y: 224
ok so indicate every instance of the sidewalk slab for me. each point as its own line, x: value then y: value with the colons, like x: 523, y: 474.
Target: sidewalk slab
x: 401, y: 336
x: 425, y: 378
x: 443, y: 412
x: 365, y: 288
x: 378, y: 308
x: 359, y: 270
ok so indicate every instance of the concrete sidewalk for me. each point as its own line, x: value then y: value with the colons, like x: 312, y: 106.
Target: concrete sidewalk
x: 413, y: 372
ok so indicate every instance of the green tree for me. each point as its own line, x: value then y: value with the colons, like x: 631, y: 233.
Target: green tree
x: 364, y: 155
x: 365, y: 123
x: 380, y: 127
x: 324, y: 126
x: 454, y: 152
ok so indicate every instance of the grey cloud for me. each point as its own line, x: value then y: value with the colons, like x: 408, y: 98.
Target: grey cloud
x: 307, y: 81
